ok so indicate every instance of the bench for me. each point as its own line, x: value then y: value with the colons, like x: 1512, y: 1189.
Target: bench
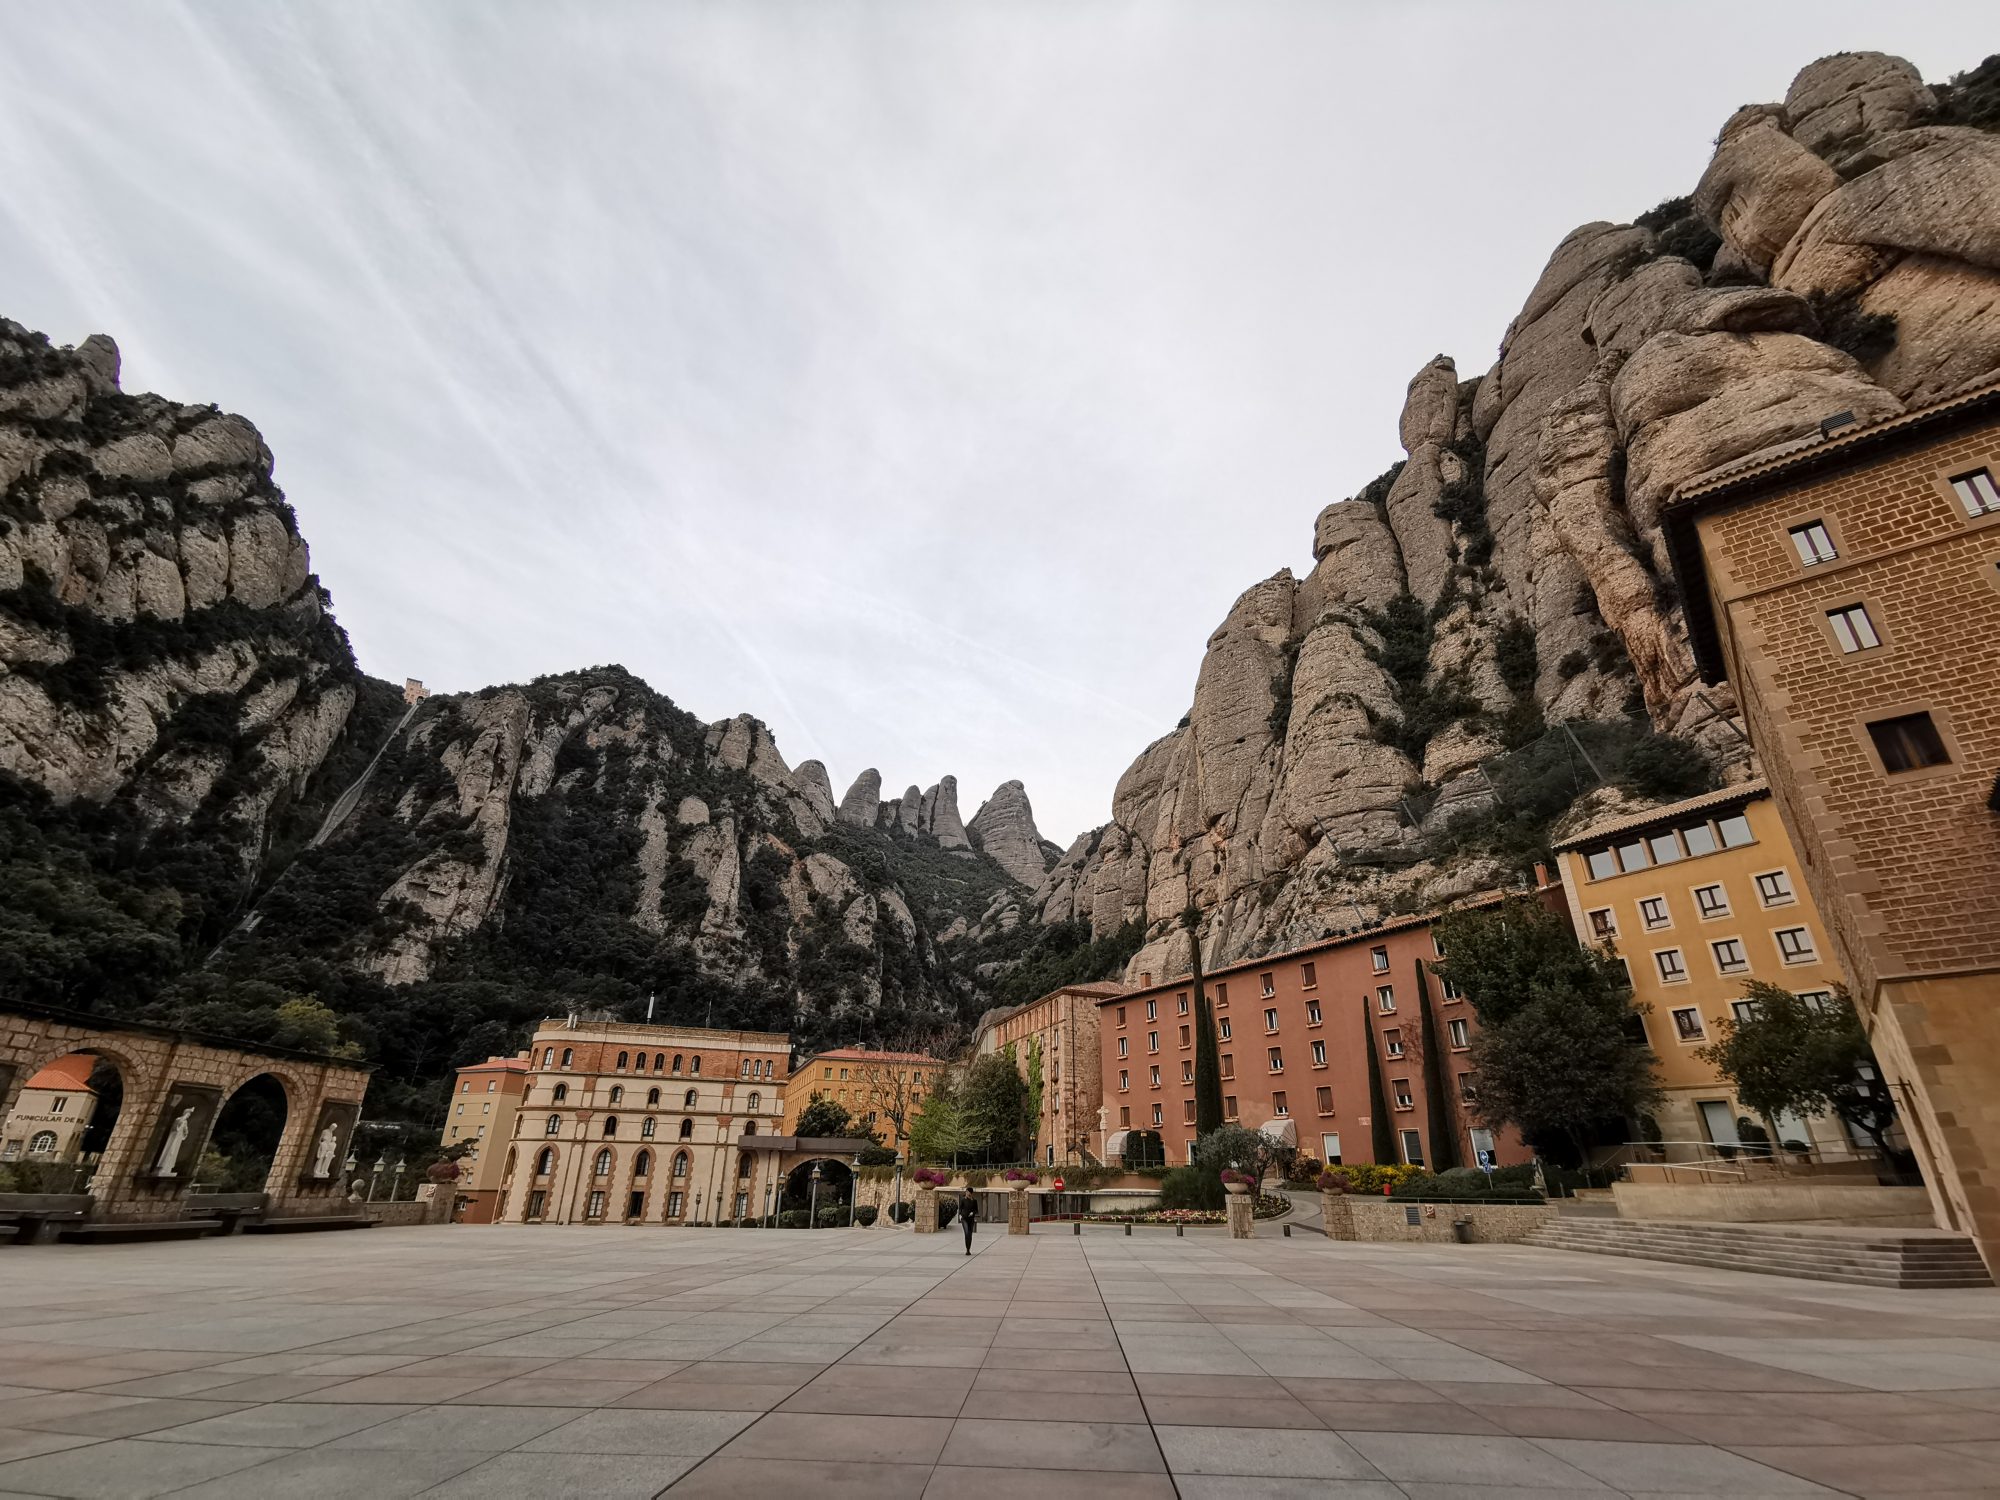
x: 137, y: 1230
x: 23, y: 1218
x: 232, y: 1209
x: 305, y: 1223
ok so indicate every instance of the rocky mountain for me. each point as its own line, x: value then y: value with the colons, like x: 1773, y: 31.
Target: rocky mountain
x: 1492, y: 623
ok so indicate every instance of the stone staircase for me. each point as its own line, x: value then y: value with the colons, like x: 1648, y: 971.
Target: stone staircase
x: 1907, y: 1258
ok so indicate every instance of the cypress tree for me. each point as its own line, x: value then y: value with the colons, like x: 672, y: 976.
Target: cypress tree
x: 1207, y: 1063
x: 1437, y: 1109
x: 1381, y: 1132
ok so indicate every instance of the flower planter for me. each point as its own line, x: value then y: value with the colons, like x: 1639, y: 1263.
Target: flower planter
x: 926, y: 1221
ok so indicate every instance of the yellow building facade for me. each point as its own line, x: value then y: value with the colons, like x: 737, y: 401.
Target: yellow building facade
x: 881, y: 1090
x: 1697, y: 899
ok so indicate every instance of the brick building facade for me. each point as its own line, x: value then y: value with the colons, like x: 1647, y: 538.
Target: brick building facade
x: 1058, y: 1034
x: 1850, y: 590
x: 634, y: 1124
x: 1294, y: 1034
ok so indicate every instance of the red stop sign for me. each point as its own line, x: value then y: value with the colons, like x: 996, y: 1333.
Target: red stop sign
x: 1059, y: 1184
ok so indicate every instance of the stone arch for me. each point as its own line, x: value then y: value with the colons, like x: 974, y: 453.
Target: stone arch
x: 291, y: 1093
x: 836, y: 1182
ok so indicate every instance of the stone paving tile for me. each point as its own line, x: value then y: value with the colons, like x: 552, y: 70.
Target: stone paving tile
x: 948, y: 1482
x: 1871, y: 1469
x: 730, y: 1478
x: 696, y: 1433
x: 565, y: 1476
x: 127, y: 1469
x: 1262, y: 1451
x: 1124, y: 1447
x: 339, y: 1472
x: 485, y: 1429
x: 1451, y: 1458
x: 19, y: 1442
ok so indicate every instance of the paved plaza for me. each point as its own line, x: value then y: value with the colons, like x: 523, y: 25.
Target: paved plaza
x: 606, y: 1362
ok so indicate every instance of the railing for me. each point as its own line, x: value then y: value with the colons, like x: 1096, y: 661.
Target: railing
x: 1711, y: 1160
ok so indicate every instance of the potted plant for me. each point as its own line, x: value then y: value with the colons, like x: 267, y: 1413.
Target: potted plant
x: 1237, y: 1182
x: 1019, y: 1179
x: 1332, y: 1180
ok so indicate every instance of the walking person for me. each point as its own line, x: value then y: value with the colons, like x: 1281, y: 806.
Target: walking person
x: 968, y: 1213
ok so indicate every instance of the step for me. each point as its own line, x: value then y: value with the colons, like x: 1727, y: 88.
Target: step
x: 306, y: 1223
x: 125, y: 1234
x: 1909, y: 1259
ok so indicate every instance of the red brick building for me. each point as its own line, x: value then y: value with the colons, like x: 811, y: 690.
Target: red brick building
x: 1294, y: 1032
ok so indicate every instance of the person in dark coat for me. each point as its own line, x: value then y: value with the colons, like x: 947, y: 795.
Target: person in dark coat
x: 968, y: 1213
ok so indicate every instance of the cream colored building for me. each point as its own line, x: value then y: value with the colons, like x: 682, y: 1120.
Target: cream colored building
x: 485, y: 1098
x: 1697, y: 899
x: 1057, y: 1035
x: 52, y: 1113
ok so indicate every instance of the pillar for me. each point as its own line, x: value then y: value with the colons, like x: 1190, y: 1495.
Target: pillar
x: 926, y: 1221
x: 1336, y: 1214
x: 1017, y: 1211
x: 1242, y: 1210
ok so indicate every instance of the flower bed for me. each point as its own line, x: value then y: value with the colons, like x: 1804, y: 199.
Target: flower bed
x: 1159, y: 1216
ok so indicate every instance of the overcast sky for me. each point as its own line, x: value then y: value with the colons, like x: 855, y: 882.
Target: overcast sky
x: 924, y: 378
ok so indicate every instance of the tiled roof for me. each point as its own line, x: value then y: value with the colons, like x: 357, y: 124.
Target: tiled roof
x: 1742, y: 791
x: 65, y: 1074
x: 862, y: 1054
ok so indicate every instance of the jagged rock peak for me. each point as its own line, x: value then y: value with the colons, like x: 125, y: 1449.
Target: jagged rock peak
x: 863, y: 799
x: 1004, y: 828
x: 940, y: 815
x: 816, y: 787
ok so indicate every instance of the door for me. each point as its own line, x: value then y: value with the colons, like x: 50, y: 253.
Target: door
x: 1329, y: 1146
x: 1719, y: 1120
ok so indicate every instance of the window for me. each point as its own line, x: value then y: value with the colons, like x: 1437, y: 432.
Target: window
x: 1632, y: 856
x: 646, y: 1128
x: 1468, y: 1090
x: 601, y: 1165
x: 1729, y: 956
x: 1181, y: 1003
x: 1319, y: 1054
x: 681, y: 1163
x: 1735, y: 831
x: 1653, y: 912
x: 1812, y: 543
x: 1270, y: 1020
x: 756, y: 1101
x: 1459, y: 1033
x: 1187, y: 1072
x: 1229, y: 1106
x: 1774, y: 888
x: 559, y: 1093
x: 1977, y: 493
x: 1413, y: 1148
x: 1152, y: 1009
x: 1852, y: 629
x: 1603, y: 924
x: 1125, y: 1116
x: 675, y: 1202
x: 1699, y: 838
x: 1711, y: 900
x: 1745, y: 1010
x: 1187, y: 1112
x: 1603, y: 864
x: 694, y: 1065
x: 1278, y: 1105
x: 1323, y: 1100
x: 659, y: 1061
x: 1385, y: 999
x: 1184, y: 1036
x: 1277, y: 1058
x: 491, y: 1085
x: 1819, y: 999
x: 466, y: 1086
x: 1121, y: 1015
x: 548, y: 1057
x: 569, y: 1053
x: 1156, y: 1077
x: 1673, y: 968
x: 624, y: 1060
x: 1307, y: 977
x: 1222, y: 994
x: 1379, y: 958
x: 1268, y: 984
x: 687, y: 1099
x: 1222, y: 1028
x: 1229, y: 1065
x: 1795, y: 945
x: 687, y: 1130
x: 611, y: 1125
x: 594, y: 1209
x: 1152, y: 1041
x: 1159, y: 1115
x: 1908, y: 742
x: 1665, y: 848
x: 1404, y: 1100
x: 617, y: 1093
x: 1329, y: 1145
x: 553, y: 1125
x: 1123, y: 1051
x: 1392, y: 1042
x: 1687, y: 1024
x: 43, y: 1143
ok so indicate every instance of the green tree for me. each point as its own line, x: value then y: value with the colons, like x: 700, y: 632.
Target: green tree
x: 940, y: 1131
x: 1437, y: 1103
x: 1381, y: 1131
x: 994, y: 1098
x: 1207, y: 1062
x: 825, y: 1118
x: 1031, y: 1105
x: 1789, y: 1055
x: 1247, y: 1150
x: 1554, y: 1053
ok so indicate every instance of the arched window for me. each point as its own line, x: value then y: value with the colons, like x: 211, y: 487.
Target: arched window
x: 611, y: 1124
x: 43, y: 1144
x: 681, y: 1160
x: 749, y: 1127
x: 548, y: 1057
x: 743, y: 1068
x: 694, y: 1065
x: 617, y: 1092
x: 569, y: 1056
x: 560, y: 1092
x: 677, y: 1062
x: 687, y: 1130
x: 646, y: 1128
x: 756, y: 1100
x: 545, y: 1161
x: 687, y: 1099
x: 652, y: 1096
x: 642, y: 1164
x: 554, y: 1124
x: 602, y: 1166
x: 659, y: 1061
x: 624, y: 1060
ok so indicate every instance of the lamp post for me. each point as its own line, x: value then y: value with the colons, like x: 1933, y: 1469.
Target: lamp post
x: 812, y: 1211
x: 375, y: 1174
x: 697, y: 1206
x: 853, y: 1190
x: 897, y: 1216
x: 396, y: 1183
x: 770, y: 1193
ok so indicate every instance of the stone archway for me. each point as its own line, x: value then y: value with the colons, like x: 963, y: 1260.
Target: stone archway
x: 836, y: 1184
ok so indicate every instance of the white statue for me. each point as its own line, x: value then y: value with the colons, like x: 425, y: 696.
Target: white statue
x: 329, y: 1144
x: 177, y: 1134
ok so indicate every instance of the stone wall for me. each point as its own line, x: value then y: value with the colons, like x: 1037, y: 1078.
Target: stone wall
x: 1799, y: 1202
x: 1384, y: 1220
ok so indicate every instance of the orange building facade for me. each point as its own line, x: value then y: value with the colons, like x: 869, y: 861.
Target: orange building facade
x: 1849, y: 590
x: 881, y: 1090
x: 1294, y: 1035
x: 485, y: 1098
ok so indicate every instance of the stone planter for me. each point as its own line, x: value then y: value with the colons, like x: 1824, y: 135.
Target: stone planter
x: 926, y: 1220
x: 1236, y: 1187
x: 1336, y: 1215
x: 1017, y: 1207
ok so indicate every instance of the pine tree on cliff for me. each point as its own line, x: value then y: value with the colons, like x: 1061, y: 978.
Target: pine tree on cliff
x: 1207, y: 1067
x: 1382, y: 1136
x: 1437, y: 1108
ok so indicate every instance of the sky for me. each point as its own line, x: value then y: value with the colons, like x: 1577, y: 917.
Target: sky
x: 924, y: 378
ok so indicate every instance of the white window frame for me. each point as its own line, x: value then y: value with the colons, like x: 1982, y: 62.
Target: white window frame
x: 1681, y: 1034
x: 1977, y: 492
x: 1679, y: 973
x: 1789, y: 896
x: 1806, y: 955
x: 1853, y: 629
x: 1741, y: 964
x: 1709, y: 913
x: 1812, y: 543
x: 1666, y: 918
x: 1459, y: 1033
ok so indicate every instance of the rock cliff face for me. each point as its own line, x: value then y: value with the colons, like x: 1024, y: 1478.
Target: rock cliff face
x: 1377, y: 735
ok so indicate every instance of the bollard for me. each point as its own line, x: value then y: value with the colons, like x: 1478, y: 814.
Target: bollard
x: 1076, y: 1227
x: 1180, y: 1231
x: 1128, y: 1231
x: 1288, y: 1231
